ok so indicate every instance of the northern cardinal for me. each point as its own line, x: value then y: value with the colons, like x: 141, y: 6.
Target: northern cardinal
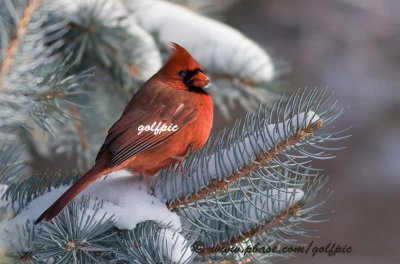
x: 170, y: 115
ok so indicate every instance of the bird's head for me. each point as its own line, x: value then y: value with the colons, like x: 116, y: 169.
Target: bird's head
x: 183, y: 72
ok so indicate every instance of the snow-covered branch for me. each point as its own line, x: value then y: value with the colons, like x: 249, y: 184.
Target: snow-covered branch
x: 249, y: 146
x: 218, y: 47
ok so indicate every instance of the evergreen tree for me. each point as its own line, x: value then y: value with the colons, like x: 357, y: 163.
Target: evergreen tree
x: 67, y: 69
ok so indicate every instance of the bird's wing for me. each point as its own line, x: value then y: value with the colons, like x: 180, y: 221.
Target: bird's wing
x: 123, y: 140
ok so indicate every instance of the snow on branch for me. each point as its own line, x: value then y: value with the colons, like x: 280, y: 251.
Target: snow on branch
x: 249, y: 146
x: 261, y: 160
x: 119, y: 201
x: 90, y: 238
x: 175, y: 248
x: 218, y: 47
x: 207, y: 7
x: 104, y: 31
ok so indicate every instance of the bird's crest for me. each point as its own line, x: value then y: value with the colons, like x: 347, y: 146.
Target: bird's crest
x: 178, y: 51
x: 180, y: 58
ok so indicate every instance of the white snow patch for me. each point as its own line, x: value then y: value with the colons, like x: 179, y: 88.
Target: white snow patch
x: 175, y: 246
x: 130, y: 202
x: 216, y: 46
x: 125, y: 197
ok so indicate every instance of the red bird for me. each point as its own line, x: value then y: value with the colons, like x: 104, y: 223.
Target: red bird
x: 174, y: 97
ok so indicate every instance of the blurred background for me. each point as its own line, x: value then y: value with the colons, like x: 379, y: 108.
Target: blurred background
x: 353, y: 48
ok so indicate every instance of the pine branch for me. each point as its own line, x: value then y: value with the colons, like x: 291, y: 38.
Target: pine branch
x: 10, y: 165
x: 38, y: 81
x: 103, y: 34
x: 24, y: 248
x: 274, y: 231
x: 246, y: 182
x: 151, y: 242
x: 21, y: 191
x: 261, y: 160
x: 90, y: 108
x: 89, y: 241
x: 81, y: 133
x: 277, y: 220
x: 60, y: 92
x: 16, y: 41
x: 238, y: 153
x: 231, y: 91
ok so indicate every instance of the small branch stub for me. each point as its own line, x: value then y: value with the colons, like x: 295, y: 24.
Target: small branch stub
x: 70, y: 245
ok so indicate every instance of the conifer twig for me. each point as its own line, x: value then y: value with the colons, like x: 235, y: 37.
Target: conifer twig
x: 16, y: 41
x: 81, y: 133
x: 292, y: 210
x: 261, y: 160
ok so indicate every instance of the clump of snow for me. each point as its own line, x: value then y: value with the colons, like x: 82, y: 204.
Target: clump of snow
x: 218, y: 47
x: 125, y: 197
x: 207, y: 7
x: 130, y: 203
x: 312, y: 117
x: 175, y: 246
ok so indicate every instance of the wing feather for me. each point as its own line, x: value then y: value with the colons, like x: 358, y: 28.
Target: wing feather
x: 123, y: 140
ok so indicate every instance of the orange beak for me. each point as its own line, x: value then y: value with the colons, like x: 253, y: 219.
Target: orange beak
x: 200, y: 80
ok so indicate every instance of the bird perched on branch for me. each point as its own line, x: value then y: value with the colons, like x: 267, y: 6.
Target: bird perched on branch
x: 170, y: 115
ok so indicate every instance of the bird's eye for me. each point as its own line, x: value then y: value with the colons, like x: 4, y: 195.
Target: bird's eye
x: 182, y: 74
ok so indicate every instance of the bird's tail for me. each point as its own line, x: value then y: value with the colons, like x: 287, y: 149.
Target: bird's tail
x: 94, y: 173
